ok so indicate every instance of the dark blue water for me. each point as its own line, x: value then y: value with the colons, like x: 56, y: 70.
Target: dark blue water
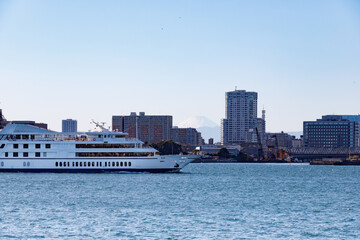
x: 206, y: 201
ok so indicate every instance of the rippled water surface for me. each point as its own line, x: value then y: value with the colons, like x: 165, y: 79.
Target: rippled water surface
x: 206, y: 201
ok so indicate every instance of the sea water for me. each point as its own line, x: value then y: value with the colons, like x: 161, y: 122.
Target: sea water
x: 205, y: 201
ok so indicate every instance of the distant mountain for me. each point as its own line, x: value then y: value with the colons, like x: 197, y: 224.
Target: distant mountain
x: 196, y: 122
x: 208, y: 128
x: 210, y: 132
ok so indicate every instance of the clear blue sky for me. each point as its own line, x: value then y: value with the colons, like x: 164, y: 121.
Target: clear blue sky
x: 94, y: 59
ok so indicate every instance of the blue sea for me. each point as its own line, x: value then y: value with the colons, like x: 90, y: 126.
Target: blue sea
x: 205, y: 201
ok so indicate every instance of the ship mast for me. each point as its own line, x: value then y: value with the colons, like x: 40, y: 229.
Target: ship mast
x: 101, y: 125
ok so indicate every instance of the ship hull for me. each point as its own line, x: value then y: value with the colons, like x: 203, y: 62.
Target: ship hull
x: 99, y: 170
x: 156, y: 164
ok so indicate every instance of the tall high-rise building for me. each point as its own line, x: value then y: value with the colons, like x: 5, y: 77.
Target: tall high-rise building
x: 69, y: 125
x: 332, y: 131
x: 240, y: 120
x: 147, y: 128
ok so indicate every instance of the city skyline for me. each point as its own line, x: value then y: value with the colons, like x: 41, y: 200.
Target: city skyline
x: 88, y: 60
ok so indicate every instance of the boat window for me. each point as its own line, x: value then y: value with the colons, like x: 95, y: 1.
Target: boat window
x: 37, y: 145
x: 119, y: 136
x: 2, y: 146
x: 77, y: 164
x: 68, y: 164
x: 64, y: 164
x: 37, y: 154
x: 121, y: 164
x: 56, y: 164
x: 26, y: 146
x: 48, y: 145
x: 18, y: 137
x: 117, y: 164
x: 84, y: 164
x: 32, y: 137
x: 129, y: 164
x: 93, y: 164
x: 105, y: 164
x: 89, y: 164
x: 15, y: 154
x: 60, y: 164
x: 113, y: 164
x: 80, y: 164
x: 100, y: 164
x: 6, y: 154
x: 25, y: 136
x: 16, y: 145
x: 73, y: 164
x: 97, y: 164
x: 125, y: 164
x: 25, y: 154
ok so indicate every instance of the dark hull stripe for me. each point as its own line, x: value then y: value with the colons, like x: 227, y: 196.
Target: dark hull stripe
x: 64, y: 170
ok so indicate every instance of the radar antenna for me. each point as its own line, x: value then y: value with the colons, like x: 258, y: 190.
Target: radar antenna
x: 101, y: 125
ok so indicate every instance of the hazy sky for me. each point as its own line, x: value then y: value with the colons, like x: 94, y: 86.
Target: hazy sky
x: 94, y: 59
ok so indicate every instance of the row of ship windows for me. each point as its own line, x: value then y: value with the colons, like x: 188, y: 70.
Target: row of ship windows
x: 48, y: 146
x: 26, y: 146
x: 25, y: 154
x: 14, y: 137
x: 92, y: 164
x: 114, y: 154
x: 105, y: 145
x: 88, y: 154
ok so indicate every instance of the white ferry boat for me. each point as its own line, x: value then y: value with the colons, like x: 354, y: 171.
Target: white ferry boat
x: 26, y: 148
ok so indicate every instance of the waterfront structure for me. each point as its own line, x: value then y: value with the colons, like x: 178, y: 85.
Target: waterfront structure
x: 69, y: 126
x: 187, y: 136
x: 282, y: 140
x: 332, y: 131
x: 147, y: 128
x: 26, y: 148
x: 3, y: 121
x: 240, y: 120
x: 261, y: 128
x: 214, y: 149
x: 297, y: 143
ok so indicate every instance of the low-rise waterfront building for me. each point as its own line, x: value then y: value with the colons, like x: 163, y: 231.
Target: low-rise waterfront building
x: 187, y: 136
x: 213, y: 149
x: 332, y: 131
x: 282, y: 140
